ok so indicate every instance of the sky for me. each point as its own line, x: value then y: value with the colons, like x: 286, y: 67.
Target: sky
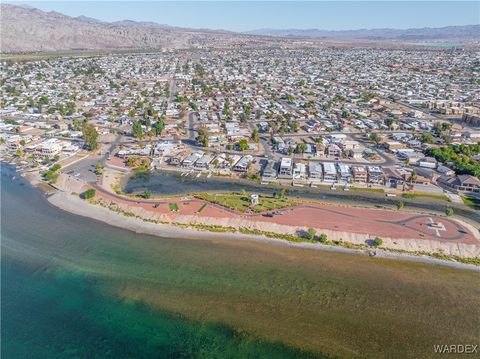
x: 252, y: 15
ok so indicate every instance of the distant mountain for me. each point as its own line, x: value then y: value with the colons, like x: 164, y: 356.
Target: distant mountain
x: 448, y: 32
x: 27, y: 29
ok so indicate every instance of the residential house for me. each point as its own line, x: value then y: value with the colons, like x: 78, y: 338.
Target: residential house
x: 286, y: 168
x: 360, y: 174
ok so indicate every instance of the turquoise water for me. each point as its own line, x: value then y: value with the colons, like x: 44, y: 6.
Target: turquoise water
x: 62, y: 316
x: 51, y: 308
x: 73, y: 287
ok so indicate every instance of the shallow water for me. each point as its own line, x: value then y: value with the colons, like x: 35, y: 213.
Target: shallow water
x: 74, y: 287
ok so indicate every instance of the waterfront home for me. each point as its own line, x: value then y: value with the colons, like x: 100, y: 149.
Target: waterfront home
x: 203, y: 161
x: 299, y: 171
x: 375, y: 175
x: 270, y: 171
x: 243, y: 163
x: 49, y: 148
x: 329, y: 172
x: 462, y: 183
x: 360, y: 174
x: 344, y: 172
x: 315, y: 171
x: 286, y: 168
x: 189, y: 161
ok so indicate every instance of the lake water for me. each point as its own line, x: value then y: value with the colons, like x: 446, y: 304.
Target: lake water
x: 73, y: 287
x: 170, y: 183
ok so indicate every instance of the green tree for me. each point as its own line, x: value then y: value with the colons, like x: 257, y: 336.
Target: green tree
x: 323, y: 238
x: 301, y: 147
x: 388, y: 122
x: 449, y: 211
x: 413, y: 177
x: 400, y: 205
x: 137, y: 130
x: 202, y: 137
x: 147, y: 194
x: 99, y: 168
x: 242, y: 145
x: 311, y: 233
x: 374, y: 137
x: 282, y: 193
x: 255, y: 135
x: 377, y: 242
x: 88, y: 194
x: 90, y: 135
x: 43, y: 100
x: 427, y: 137
x: 159, y: 126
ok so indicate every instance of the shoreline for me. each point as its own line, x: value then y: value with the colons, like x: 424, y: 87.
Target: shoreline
x: 78, y: 206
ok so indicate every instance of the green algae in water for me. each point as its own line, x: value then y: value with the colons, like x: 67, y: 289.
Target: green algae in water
x: 63, y: 316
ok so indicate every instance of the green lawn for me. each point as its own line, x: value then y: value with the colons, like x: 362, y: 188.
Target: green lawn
x: 471, y: 202
x: 412, y: 195
x: 239, y: 202
x: 173, y: 207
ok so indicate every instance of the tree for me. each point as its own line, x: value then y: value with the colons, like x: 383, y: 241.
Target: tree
x: 301, y: 147
x: 400, y: 205
x: 323, y: 238
x: 52, y: 174
x: 159, y: 126
x: 99, y: 168
x: 88, y: 194
x: 374, y: 137
x: 137, y: 130
x: 255, y: 135
x: 90, y: 135
x: 449, y: 211
x: 311, y: 233
x: 202, y: 137
x: 427, y: 137
x: 243, y: 145
x: 377, y: 242
x: 147, y: 194
x: 388, y: 122
x: 282, y: 193
x: 43, y: 100
x: 413, y: 177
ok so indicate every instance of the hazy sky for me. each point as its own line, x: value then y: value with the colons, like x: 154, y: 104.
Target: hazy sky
x: 243, y: 16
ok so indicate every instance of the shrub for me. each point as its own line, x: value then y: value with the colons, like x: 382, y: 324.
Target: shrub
x: 147, y: 194
x: 377, y: 242
x: 323, y: 238
x: 449, y: 211
x: 89, y: 193
x: 311, y: 233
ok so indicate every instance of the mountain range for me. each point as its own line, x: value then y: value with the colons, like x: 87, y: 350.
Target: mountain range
x: 466, y: 32
x: 27, y: 29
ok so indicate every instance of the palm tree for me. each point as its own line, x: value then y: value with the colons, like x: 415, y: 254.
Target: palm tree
x: 413, y: 177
